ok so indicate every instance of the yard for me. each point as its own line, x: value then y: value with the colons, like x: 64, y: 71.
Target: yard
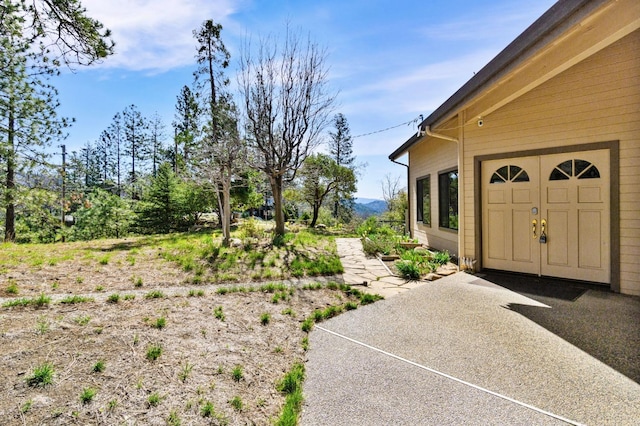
x: 144, y: 331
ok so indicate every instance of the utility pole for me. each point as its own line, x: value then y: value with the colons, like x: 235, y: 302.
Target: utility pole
x: 64, y: 175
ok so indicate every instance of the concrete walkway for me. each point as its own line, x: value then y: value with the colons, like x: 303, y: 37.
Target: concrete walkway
x: 360, y: 269
x: 452, y: 352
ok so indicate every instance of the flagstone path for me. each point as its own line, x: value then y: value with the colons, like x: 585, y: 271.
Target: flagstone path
x: 369, y: 272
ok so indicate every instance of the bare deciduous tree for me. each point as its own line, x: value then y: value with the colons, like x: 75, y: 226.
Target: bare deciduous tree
x: 390, y: 189
x: 287, y: 105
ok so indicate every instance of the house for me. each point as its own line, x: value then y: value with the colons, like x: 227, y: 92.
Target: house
x: 533, y: 166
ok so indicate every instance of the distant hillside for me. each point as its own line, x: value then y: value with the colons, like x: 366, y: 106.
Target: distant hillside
x: 369, y: 207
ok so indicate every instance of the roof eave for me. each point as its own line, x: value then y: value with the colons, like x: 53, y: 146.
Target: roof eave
x: 534, y: 38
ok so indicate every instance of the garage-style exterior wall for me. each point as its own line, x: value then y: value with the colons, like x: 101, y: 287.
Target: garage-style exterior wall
x: 595, y: 101
x: 427, y: 160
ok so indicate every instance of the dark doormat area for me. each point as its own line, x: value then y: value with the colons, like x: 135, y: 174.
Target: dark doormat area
x: 604, y: 324
x: 538, y: 286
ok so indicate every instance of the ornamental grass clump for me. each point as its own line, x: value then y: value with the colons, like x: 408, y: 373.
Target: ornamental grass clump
x: 408, y: 269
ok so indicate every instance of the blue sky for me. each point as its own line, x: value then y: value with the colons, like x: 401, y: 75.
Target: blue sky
x: 390, y: 61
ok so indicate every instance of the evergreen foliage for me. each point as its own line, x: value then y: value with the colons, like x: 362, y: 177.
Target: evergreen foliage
x: 341, y: 149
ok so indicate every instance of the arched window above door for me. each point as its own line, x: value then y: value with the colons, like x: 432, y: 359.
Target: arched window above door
x: 509, y: 173
x: 575, y: 168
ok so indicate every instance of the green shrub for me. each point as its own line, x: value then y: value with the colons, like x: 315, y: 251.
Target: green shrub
x: 237, y: 373
x: 371, y: 226
x: 87, y: 395
x: 291, y: 386
x: 42, y: 375
x: 155, y: 294
x: 154, y: 399
x: 349, y: 306
x: 174, y: 419
x: 217, y: 312
x: 378, y: 243
x: 292, y: 381
x: 22, y: 301
x: 367, y: 298
x: 265, y: 318
x: 442, y: 257
x: 12, y: 288
x: 236, y: 403
x: 160, y: 323
x: 208, y: 410
x: 154, y: 352
x: 307, y: 325
x: 41, y: 300
x: 76, y: 299
x: 250, y: 228
x: 185, y: 372
x: 99, y: 366
x: 408, y: 269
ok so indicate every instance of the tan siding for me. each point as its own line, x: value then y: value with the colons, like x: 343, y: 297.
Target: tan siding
x: 597, y: 100
x: 430, y: 157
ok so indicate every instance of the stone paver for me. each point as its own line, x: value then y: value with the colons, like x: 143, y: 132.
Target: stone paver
x: 360, y: 269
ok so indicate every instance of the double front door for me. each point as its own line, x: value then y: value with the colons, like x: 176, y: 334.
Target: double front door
x: 548, y: 215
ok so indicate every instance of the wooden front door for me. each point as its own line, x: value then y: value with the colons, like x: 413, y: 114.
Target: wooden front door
x: 548, y: 215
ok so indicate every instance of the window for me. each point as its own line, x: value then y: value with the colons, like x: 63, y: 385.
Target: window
x: 448, y: 199
x: 423, y: 197
x: 575, y: 168
x: 509, y: 174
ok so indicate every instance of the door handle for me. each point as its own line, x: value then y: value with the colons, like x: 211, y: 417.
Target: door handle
x: 543, y: 234
x: 534, y: 226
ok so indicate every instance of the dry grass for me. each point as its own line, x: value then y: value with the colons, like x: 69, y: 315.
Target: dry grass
x: 191, y: 378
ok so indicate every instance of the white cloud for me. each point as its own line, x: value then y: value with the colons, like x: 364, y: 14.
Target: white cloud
x: 155, y: 35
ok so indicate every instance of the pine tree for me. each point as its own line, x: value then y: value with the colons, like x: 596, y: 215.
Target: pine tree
x: 91, y: 165
x: 221, y: 149
x: 341, y: 150
x: 341, y: 143
x: 136, y: 146
x: 156, y: 138
x: 113, y: 137
x: 28, y: 119
x: 35, y: 38
x: 186, y: 126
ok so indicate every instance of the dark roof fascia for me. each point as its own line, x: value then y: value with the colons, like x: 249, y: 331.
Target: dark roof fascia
x: 555, y: 20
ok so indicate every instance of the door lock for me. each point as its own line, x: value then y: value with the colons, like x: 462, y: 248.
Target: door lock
x: 543, y: 234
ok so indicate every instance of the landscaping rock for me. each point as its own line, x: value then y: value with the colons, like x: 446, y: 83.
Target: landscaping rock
x: 446, y: 271
x: 432, y: 277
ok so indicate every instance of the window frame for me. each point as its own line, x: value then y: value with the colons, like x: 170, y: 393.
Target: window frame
x: 445, y: 200
x: 420, y: 199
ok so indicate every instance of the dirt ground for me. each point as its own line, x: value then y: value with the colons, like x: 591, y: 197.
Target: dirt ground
x: 199, y: 350
x: 194, y: 343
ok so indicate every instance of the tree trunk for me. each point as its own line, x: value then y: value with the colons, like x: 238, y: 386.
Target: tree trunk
x: 276, y: 189
x: 224, y: 203
x: 10, y: 215
x: 314, y: 218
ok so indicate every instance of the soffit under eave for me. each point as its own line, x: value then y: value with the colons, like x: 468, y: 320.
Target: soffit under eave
x: 448, y: 128
x: 595, y: 32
